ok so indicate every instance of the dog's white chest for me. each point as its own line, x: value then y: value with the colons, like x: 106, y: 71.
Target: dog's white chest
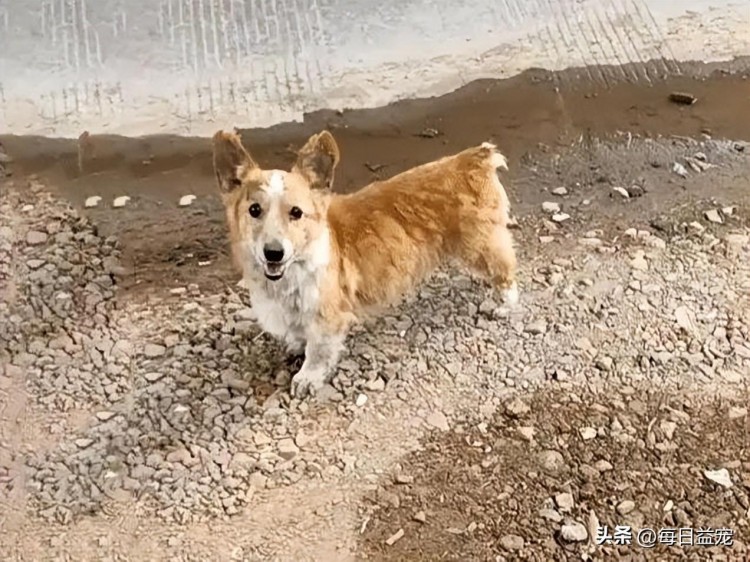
x: 289, y: 304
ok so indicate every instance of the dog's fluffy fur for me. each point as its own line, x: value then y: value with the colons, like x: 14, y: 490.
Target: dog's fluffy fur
x: 344, y: 256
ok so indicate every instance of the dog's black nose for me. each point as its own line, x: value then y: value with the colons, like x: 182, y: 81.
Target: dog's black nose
x: 273, y: 252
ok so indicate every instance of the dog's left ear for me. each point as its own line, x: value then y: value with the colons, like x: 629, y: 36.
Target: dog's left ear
x: 317, y: 160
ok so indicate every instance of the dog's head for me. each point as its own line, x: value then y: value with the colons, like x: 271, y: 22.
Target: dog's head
x: 277, y: 218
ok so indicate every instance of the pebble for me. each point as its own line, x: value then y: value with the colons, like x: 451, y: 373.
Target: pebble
x: 560, y: 191
x: 120, y: 201
x: 639, y: 262
x: 552, y: 461
x: 186, y: 200
x: 536, y: 328
x: 587, y: 433
x: 527, y: 433
x: 720, y: 476
x: 560, y: 217
x: 517, y: 408
x: 564, y: 502
x: 574, y: 532
x: 35, y: 238
x: 736, y: 413
x: 287, y: 449
x: 438, y: 420
x: 680, y: 170
x: 361, y: 400
x: 512, y: 542
x: 153, y: 350
x: 625, y: 507
x: 92, y: 201
x: 395, y: 537
x: 622, y: 192
x: 713, y: 216
x: 420, y: 517
x: 550, y: 207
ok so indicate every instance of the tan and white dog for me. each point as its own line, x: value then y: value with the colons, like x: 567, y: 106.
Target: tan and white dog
x: 315, y: 262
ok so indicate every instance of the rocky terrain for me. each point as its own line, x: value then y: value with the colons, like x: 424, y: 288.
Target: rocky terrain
x: 157, y: 424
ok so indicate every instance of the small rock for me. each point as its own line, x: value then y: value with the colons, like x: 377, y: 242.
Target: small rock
x: 587, y: 433
x: 713, y: 215
x: 35, y: 264
x: 564, y: 502
x: 546, y: 239
x: 153, y: 376
x: 403, y: 479
x: 560, y: 217
x: 625, y: 507
x: 153, y: 350
x: 680, y: 170
x: 361, y: 400
x: 120, y: 201
x: 668, y: 428
x: 92, y: 201
x: 720, y: 476
x: 551, y: 515
x: 181, y: 455
x: 186, y: 200
x: 682, y: 98
x: 512, y: 542
x: 420, y: 517
x: 603, y: 466
x: 517, y: 408
x: 287, y: 449
x: 552, y: 461
x: 438, y: 420
x: 104, y: 416
x: 84, y: 443
x: 605, y: 364
x: 685, y: 318
x: 527, y: 433
x: 639, y: 262
x: 560, y: 191
x: 395, y: 537
x: 35, y: 238
x: 736, y: 413
x: 622, y: 192
x: 550, y: 207
x: 536, y: 328
x: 574, y: 532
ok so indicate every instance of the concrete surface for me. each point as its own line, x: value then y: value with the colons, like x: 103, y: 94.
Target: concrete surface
x: 190, y: 66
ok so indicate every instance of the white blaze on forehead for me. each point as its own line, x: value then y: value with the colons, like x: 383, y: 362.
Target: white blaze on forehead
x: 275, y: 185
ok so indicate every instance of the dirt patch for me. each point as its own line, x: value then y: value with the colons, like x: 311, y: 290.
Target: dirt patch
x: 504, y: 490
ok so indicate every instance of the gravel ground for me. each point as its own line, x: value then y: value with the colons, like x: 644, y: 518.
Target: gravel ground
x: 483, y: 432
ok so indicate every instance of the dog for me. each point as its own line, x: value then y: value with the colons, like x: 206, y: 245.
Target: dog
x: 316, y: 262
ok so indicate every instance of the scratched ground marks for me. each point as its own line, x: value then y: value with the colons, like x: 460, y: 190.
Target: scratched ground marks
x: 146, y: 66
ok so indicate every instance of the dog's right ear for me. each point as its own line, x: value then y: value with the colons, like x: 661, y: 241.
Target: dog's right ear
x: 231, y: 160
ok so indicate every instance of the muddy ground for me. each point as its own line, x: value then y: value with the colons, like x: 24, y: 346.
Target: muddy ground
x: 143, y: 417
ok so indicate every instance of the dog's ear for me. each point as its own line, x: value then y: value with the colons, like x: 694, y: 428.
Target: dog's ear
x: 317, y: 160
x: 231, y: 160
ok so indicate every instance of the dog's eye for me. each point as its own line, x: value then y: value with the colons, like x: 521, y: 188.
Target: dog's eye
x: 255, y: 210
x: 295, y: 213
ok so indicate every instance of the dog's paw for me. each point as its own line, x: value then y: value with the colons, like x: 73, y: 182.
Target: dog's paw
x: 511, y: 295
x: 307, y: 383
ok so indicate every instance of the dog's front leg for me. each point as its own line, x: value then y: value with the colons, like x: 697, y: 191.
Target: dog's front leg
x: 321, y: 355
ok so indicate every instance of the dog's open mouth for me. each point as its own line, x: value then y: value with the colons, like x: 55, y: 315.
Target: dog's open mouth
x: 274, y: 271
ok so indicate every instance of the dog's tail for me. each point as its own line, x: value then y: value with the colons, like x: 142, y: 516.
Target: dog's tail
x: 495, y: 157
